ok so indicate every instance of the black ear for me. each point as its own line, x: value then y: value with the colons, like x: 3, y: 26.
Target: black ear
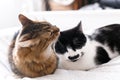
x: 24, y: 20
x: 79, y: 27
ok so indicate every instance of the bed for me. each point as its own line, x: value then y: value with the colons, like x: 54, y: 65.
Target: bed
x: 66, y: 20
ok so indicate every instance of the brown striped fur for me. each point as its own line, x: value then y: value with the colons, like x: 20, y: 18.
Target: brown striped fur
x: 31, y: 53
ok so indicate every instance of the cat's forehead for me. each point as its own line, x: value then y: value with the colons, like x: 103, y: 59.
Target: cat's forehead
x: 36, y: 26
x: 41, y: 24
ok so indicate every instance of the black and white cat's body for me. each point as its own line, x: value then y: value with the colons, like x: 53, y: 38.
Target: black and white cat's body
x: 79, y: 51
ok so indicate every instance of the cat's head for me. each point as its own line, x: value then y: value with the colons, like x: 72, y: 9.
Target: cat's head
x: 35, y: 33
x: 70, y: 42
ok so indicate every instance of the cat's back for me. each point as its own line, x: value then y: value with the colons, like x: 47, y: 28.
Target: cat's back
x: 108, y: 35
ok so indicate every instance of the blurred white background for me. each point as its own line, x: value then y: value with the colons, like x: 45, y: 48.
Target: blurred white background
x: 9, y: 10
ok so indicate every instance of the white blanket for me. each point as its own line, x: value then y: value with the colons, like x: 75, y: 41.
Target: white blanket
x: 109, y: 71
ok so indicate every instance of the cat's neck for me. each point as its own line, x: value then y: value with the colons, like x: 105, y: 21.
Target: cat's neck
x: 22, y: 53
x: 47, y: 53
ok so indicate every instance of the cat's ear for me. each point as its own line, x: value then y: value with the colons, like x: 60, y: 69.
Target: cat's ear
x: 25, y: 40
x: 27, y: 43
x: 79, y: 27
x: 24, y: 20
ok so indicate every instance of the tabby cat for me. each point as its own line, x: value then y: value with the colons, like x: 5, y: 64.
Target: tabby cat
x: 31, y: 53
x: 77, y: 50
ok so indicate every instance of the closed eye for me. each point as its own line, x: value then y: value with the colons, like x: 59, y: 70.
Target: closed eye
x: 50, y: 33
x: 76, y: 42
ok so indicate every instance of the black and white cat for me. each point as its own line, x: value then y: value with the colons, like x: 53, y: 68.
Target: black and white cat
x: 79, y: 51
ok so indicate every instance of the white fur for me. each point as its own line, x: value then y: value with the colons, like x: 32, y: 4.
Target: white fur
x: 86, y: 61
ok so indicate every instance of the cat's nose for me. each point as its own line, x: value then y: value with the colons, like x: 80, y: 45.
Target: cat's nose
x: 73, y: 58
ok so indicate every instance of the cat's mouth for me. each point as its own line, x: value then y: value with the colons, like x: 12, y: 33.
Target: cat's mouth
x: 75, y: 60
x: 76, y: 57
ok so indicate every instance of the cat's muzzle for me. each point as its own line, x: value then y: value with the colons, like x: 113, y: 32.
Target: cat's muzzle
x: 75, y: 57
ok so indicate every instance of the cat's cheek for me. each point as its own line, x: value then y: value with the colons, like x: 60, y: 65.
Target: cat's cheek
x: 65, y: 56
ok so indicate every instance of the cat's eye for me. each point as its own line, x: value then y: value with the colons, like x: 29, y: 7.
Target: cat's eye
x: 50, y: 32
x: 76, y: 41
x: 34, y: 36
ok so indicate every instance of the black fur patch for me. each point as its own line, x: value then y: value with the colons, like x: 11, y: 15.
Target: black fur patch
x: 109, y: 34
x: 60, y: 48
x: 101, y: 56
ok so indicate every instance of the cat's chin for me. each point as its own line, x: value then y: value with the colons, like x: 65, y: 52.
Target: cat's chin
x: 56, y: 39
x: 74, y: 60
x: 53, y: 43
